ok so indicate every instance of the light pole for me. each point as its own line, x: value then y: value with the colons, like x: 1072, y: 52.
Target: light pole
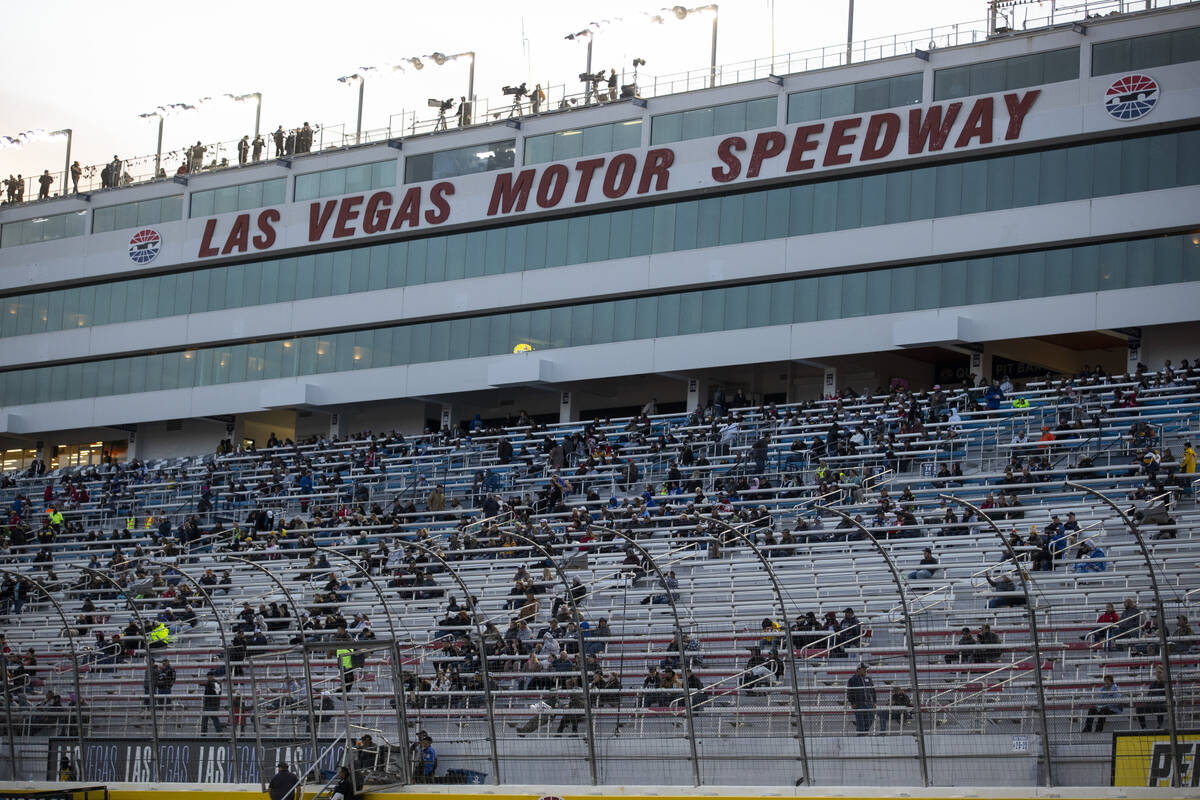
x: 349, y: 80
x: 67, y: 162
x: 849, y: 31
x: 587, y: 92
x: 161, y: 112
x: 442, y: 58
x: 681, y: 13
x: 257, y: 96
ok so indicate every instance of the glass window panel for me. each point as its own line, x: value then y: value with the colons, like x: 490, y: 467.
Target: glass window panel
x: 849, y: 203
x: 1024, y: 70
x: 898, y: 188
x: 539, y: 148
x: 1168, y: 259
x: 103, y: 219
x: 1109, y: 57
x: 479, y: 340
x: 539, y: 328
x: 1139, y: 263
x: 499, y: 337
x: 874, y: 195
x: 690, y: 311
x: 383, y: 174
x: 666, y: 128
x: 979, y: 280
x: 602, y: 322
x: 224, y: 200
x: 999, y: 183
x: 829, y: 297
x: 1079, y: 173
x: 322, y: 275
x: 333, y: 181
x: 762, y: 113
x: 837, y: 101
x: 1164, y: 162
x: 906, y: 89
x: 577, y: 246
x: 737, y: 301
x: 560, y: 327
x: 1185, y: 45
x: 340, y: 278
x: 202, y: 204
x: 514, y: 249
x: 951, y: 82
x: 379, y: 263
x: 358, y: 178
x: 854, y: 295
x: 754, y: 216
x: 953, y: 284
x: 872, y: 95
x: 804, y: 106
x: 1135, y: 165
x: 1032, y: 275
x: 777, y: 216
x: 598, y: 237
x: 402, y: 352
x: 1057, y: 272
x: 712, y: 310
x: 731, y: 219
x: 1060, y: 65
x: 921, y: 195
x: 668, y: 315
x: 535, y: 245
x: 663, y: 237
x: 1151, y: 51
x: 641, y: 229
x: 627, y: 135
x: 974, y: 187
x: 879, y: 291
x: 929, y: 292
x: 758, y: 308
x: 1053, y: 177
x: 308, y: 187
x: 698, y: 123
x: 274, y: 191
x: 250, y: 195
x: 624, y: 314
x: 988, y: 77
x: 1084, y: 269
x: 824, y: 206
x: 729, y: 118
x: 687, y: 215
x: 1111, y: 264
x: 1005, y: 278
x: 597, y: 139
x: 460, y: 338
x: 556, y: 243
x: 948, y: 198
x: 1026, y: 181
x: 126, y: 215
x: 360, y: 267
x: 708, y: 222
x: 904, y: 289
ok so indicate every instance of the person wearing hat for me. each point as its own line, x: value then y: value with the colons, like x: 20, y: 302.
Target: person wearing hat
x: 860, y: 695
x: 284, y: 784
x: 425, y: 763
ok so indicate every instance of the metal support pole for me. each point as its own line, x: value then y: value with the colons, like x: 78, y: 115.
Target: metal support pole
x: 150, y: 682
x: 257, y: 113
x: 791, y: 643
x: 483, y: 666
x: 1033, y: 632
x: 158, y: 152
x: 308, y: 688
x: 712, y: 60
x: 259, y: 753
x: 401, y: 714
x: 581, y: 642
x: 587, y: 92
x: 850, y: 32
x: 908, y: 630
x: 199, y: 587
x: 83, y: 773
x: 1163, y: 646
x: 471, y: 90
x: 347, y: 760
x: 402, y: 718
x: 362, y: 84
x: 8, y: 722
x: 683, y: 662
x: 67, y: 164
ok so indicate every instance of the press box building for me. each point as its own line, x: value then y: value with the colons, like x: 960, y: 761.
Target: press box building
x: 1027, y: 203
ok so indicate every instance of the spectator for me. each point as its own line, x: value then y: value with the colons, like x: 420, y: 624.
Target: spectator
x: 1108, y: 703
x: 44, y: 184
x: 860, y: 696
x: 1005, y: 591
x: 989, y: 645
x: 927, y: 566
x: 1155, y: 703
x: 1107, y: 622
x: 284, y: 784
x: 212, y: 704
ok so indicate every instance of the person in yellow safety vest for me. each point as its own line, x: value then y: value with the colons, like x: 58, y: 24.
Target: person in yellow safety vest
x: 345, y: 657
x: 56, y: 517
x: 130, y: 523
x: 160, y: 635
x: 1020, y: 402
x: 149, y: 522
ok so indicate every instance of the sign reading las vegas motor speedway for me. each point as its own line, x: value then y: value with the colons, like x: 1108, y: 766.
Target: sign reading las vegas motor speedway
x: 754, y: 156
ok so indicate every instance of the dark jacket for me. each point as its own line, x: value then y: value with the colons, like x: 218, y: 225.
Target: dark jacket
x: 860, y: 691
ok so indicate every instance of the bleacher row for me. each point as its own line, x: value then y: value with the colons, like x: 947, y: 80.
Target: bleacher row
x: 427, y: 515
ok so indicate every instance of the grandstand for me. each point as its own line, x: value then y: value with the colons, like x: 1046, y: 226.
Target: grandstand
x: 607, y: 506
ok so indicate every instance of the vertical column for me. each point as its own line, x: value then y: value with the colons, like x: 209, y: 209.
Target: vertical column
x: 339, y: 425
x: 829, y: 386
x: 566, y: 407
x: 447, y: 416
x: 1133, y: 355
x: 981, y: 367
x: 697, y: 392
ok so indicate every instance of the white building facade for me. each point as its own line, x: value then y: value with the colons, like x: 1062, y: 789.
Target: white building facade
x: 1026, y: 204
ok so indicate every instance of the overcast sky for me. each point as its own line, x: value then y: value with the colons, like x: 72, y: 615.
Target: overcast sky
x: 93, y: 67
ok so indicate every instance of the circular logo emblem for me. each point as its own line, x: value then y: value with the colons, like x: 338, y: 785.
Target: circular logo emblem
x: 144, y: 246
x: 1131, y: 97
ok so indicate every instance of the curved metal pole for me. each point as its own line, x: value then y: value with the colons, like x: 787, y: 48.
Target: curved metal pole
x: 312, y: 721
x: 1163, y: 646
x: 74, y: 672
x: 912, y: 655
x: 401, y: 711
x: 483, y: 665
x: 195, y: 584
x: 150, y: 680
x: 583, y: 675
x: 1031, y: 612
x: 791, y: 642
x: 8, y: 720
x: 683, y: 662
